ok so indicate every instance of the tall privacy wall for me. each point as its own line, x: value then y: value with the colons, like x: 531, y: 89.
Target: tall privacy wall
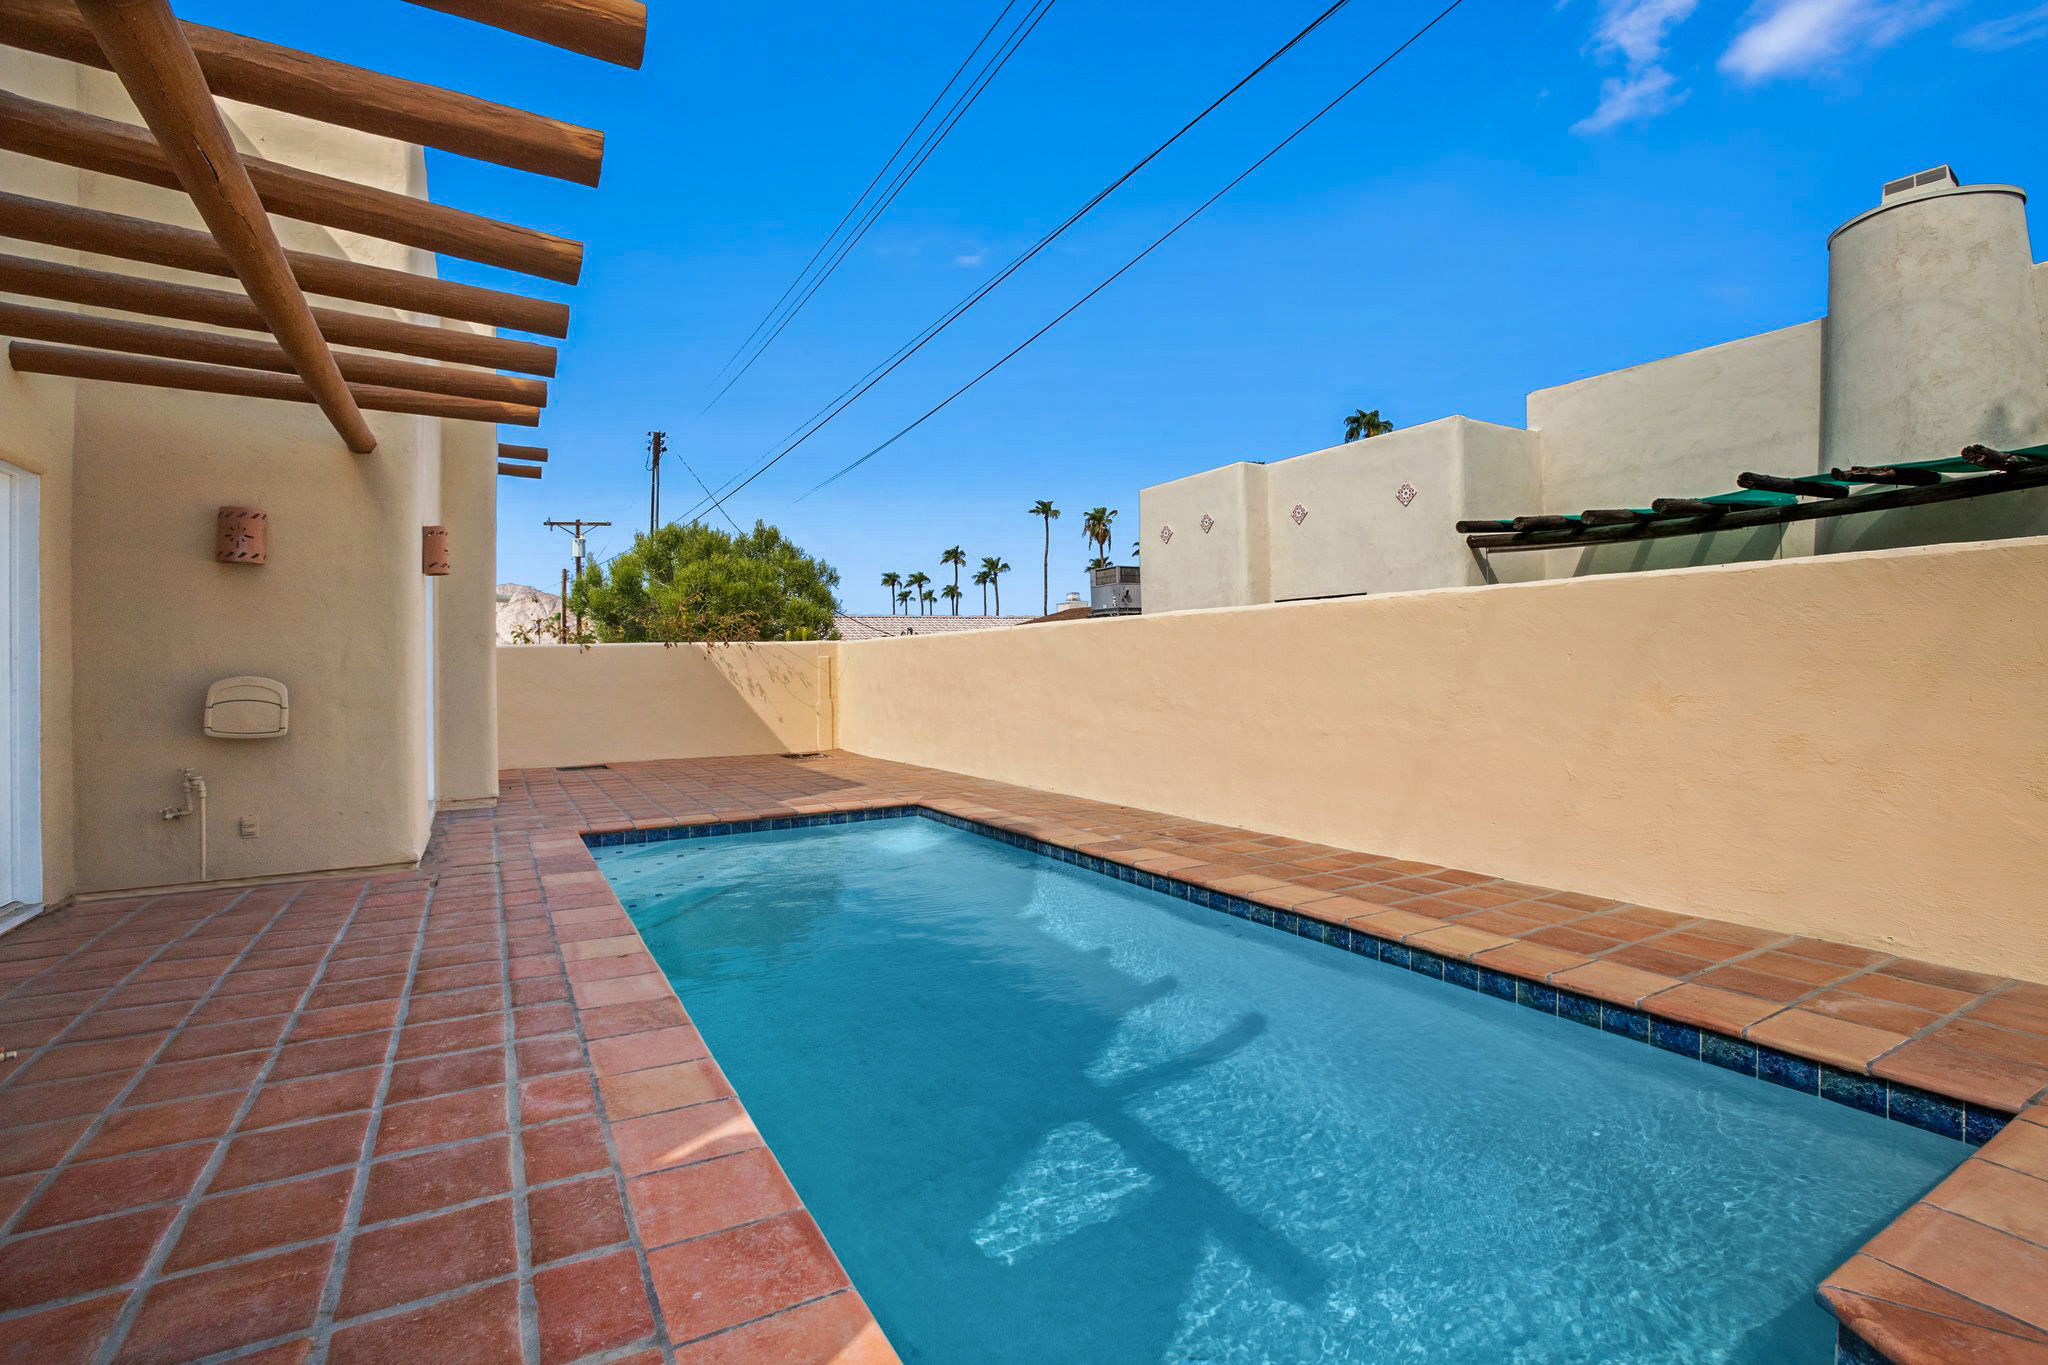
x: 1850, y: 746
x: 559, y: 705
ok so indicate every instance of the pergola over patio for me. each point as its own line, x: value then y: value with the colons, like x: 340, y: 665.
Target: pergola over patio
x: 173, y: 71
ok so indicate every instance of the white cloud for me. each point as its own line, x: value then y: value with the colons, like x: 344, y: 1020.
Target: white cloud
x: 1638, y: 28
x: 1637, y: 32
x: 1643, y: 95
x: 1788, y: 37
x: 1996, y: 35
x: 971, y: 258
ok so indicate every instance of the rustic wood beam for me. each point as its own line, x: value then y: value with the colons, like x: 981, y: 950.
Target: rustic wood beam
x: 1910, y: 478
x: 254, y: 72
x: 1612, y: 516
x: 531, y: 454
x: 1750, y: 518
x: 141, y: 239
x: 2009, y: 461
x: 159, y: 298
x: 1805, y: 488
x: 147, y: 48
x: 520, y: 471
x: 34, y: 357
x: 108, y: 147
x: 610, y: 30
x: 176, y: 343
x: 1690, y: 507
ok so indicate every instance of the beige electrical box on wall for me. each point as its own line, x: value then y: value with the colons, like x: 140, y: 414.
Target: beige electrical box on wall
x: 247, y: 708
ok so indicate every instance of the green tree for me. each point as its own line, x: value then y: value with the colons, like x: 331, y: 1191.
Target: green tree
x: 916, y: 583
x: 1044, y: 508
x: 957, y: 557
x: 995, y: 568
x: 981, y: 577
x: 903, y: 599
x: 951, y: 592
x: 892, y: 581
x: 1095, y: 529
x: 1362, y: 424
x: 1099, y: 562
x: 699, y: 583
x: 926, y: 600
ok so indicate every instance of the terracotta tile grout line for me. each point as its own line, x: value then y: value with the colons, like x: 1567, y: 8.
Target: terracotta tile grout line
x: 152, y: 1272
x: 15, y: 992
x: 320, y: 1330
x: 99, y: 1120
x: 515, y: 1149
x: 146, y: 1280
x: 662, y: 1339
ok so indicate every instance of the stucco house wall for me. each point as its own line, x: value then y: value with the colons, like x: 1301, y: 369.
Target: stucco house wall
x: 139, y: 619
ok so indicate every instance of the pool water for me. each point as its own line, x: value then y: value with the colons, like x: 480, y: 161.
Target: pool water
x: 1047, y: 1116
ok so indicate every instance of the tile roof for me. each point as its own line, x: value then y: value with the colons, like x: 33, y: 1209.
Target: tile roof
x: 881, y: 627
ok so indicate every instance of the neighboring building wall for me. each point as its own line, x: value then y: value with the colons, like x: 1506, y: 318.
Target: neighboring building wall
x: 560, y: 705
x: 1356, y: 535
x: 339, y: 614
x: 1226, y: 565
x: 1934, y: 340
x: 1682, y: 427
x: 1779, y: 744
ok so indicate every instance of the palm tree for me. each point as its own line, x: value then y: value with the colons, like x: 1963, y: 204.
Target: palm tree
x: 925, y: 600
x: 1044, y: 508
x: 995, y: 567
x: 957, y: 557
x: 951, y: 592
x: 1362, y: 424
x: 1099, y: 562
x: 916, y: 583
x: 1095, y: 530
x: 981, y: 578
x: 892, y: 581
x: 904, y: 599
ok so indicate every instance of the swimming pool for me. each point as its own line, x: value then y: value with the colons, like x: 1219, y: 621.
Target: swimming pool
x: 1043, y: 1115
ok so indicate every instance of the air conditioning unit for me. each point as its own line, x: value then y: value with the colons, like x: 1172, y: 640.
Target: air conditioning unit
x: 1114, y: 591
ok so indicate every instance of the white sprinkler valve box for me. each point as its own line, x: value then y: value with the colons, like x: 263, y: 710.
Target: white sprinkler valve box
x: 247, y: 708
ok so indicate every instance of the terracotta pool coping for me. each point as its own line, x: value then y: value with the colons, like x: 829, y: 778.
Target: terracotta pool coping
x: 243, y: 1120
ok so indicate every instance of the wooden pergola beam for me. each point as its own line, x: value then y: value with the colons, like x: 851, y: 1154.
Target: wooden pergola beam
x: 610, y: 30
x: 530, y: 454
x: 147, y: 48
x: 108, y: 147
x: 260, y: 73
x: 34, y: 357
x: 141, y: 239
x: 190, y: 303
x: 520, y: 471
x: 176, y: 343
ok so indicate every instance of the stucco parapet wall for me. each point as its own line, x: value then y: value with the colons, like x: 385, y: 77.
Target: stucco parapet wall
x: 1536, y: 397
x: 1899, y: 201
x: 1849, y: 747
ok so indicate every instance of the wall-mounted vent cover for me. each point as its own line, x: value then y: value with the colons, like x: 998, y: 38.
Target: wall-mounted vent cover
x: 584, y: 767
x: 1940, y: 175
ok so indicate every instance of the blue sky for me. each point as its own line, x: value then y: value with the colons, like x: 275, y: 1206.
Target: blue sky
x: 1532, y: 194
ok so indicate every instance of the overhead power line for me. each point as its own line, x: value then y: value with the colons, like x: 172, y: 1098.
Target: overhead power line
x: 990, y: 69
x: 848, y: 397
x: 1155, y: 244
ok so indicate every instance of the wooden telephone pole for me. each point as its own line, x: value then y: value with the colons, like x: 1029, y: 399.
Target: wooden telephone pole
x: 575, y: 528
x: 657, y: 445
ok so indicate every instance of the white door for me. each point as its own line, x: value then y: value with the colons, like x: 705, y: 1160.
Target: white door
x: 21, y: 728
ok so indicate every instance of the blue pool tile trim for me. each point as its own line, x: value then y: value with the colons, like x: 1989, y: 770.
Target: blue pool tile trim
x: 1892, y: 1100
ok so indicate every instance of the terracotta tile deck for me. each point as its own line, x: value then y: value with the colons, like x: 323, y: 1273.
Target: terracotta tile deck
x: 458, y: 1115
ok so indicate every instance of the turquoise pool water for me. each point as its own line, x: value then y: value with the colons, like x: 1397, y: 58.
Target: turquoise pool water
x: 1047, y: 1116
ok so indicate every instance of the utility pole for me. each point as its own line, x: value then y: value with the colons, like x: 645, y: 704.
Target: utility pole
x: 575, y: 528
x: 657, y: 443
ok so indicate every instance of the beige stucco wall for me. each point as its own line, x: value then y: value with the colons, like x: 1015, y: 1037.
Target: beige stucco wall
x: 560, y: 705
x: 1850, y: 746
x: 1680, y: 427
x: 1226, y: 565
x: 466, y: 690
x: 139, y: 618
